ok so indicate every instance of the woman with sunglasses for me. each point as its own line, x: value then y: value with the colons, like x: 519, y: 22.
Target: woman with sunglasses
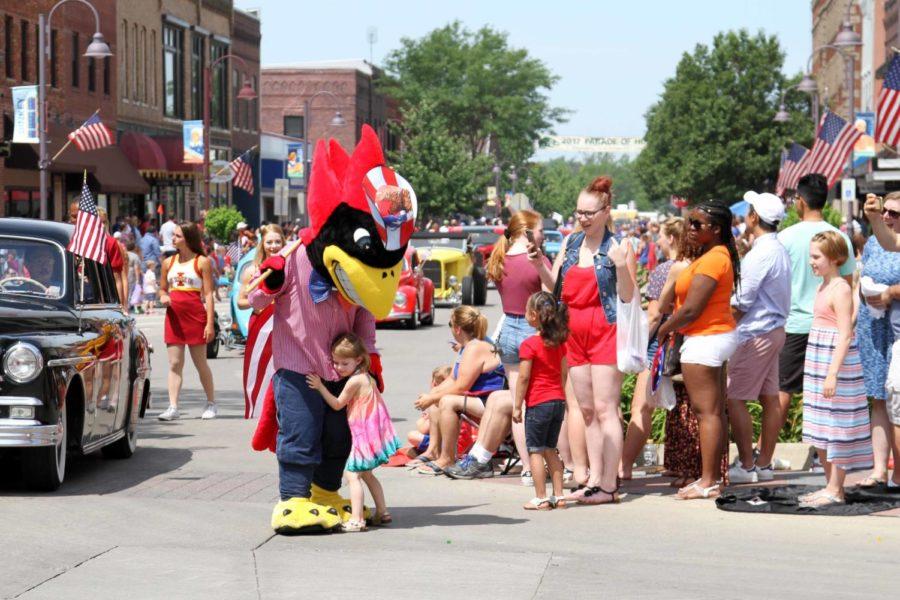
x: 875, y: 338
x: 703, y: 315
x: 592, y: 268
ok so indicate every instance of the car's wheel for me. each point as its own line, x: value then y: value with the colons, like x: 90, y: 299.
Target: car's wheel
x: 413, y: 321
x: 468, y: 291
x: 124, y: 447
x: 480, y: 293
x: 45, y: 468
x: 212, y: 348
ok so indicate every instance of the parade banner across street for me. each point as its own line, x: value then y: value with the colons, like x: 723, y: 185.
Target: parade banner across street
x: 192, y: 133
x: 26, y: 116
x: 594, y: 144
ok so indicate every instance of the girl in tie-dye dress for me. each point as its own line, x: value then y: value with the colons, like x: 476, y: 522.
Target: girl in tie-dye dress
x: 374, y: 437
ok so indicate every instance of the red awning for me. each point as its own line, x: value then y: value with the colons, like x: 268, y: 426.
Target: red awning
x: 144, y: 153
x: 173, y: 150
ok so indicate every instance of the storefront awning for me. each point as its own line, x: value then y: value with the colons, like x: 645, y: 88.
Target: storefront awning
x: 144, y: 154
x: 173, y: 150
x: 116, y: 174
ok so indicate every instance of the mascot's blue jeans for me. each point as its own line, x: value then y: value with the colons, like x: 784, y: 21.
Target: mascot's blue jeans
x: 313, y: 441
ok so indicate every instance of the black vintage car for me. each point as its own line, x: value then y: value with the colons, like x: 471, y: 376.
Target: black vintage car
x: 74, y: 368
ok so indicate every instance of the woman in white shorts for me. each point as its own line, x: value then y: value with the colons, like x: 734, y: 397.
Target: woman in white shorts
x: 703, y: 316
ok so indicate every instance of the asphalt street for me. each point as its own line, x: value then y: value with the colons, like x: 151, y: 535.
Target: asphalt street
x: 188, y: 517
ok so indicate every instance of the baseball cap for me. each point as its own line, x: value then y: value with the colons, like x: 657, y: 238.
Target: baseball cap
x: 241, y: 225
x: 769, y: 207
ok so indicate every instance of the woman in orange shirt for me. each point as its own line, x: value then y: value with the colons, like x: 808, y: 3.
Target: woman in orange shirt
x: 703, y: 315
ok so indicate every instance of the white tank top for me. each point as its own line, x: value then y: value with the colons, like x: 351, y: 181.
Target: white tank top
x: 184, y: 277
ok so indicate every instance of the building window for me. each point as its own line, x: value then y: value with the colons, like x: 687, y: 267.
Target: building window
x: 37, y: 55
x: 53, y: 52
x: 254, y: 108
x: 219, y: 103
x: 76, y: 75
x: 92, y: 74
x: 143, y: 65
x: 135, y: 58
x: 106, y: 75
x: 8, y: 46
x: 23, y: 63
x: 126, y: 75
x: 197, y: 66
x: 236, y: 122
x: 293, y: 126
x: 153, y: 89
x: 173, y: 71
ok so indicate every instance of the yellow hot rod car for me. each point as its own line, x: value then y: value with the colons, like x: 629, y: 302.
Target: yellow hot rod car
x: 457, y: 272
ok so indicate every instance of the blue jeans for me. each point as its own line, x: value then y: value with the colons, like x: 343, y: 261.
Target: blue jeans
x: 313, y: 440
x: 514, y: 331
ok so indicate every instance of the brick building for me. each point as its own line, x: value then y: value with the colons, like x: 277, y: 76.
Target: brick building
x: 167, y: 45
x: 246, y: 38
x: 76, y: 87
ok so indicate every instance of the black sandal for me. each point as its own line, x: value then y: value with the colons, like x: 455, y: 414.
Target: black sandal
x: 594, y: 491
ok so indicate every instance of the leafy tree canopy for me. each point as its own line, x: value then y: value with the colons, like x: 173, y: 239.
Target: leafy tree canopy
x: 221, y: 221
x: 711, y: 133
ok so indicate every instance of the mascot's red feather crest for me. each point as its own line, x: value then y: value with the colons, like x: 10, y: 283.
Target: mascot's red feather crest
x: 364, y: 182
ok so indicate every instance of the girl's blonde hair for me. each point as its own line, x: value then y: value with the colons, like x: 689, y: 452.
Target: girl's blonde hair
x: 261, y: 246
x: 350, y: 345
x: 833, y: 246
x: 470, y: 321
x: 518, y: 223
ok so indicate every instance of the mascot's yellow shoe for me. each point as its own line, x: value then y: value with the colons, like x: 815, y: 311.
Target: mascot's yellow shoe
x: 337, y: 502
x: 301, y: 515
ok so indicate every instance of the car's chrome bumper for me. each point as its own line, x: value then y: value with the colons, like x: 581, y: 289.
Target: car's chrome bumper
x: 26, y: 433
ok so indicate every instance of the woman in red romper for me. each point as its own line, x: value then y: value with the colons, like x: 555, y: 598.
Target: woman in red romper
x: 591, y: 347
x: 186, y: 290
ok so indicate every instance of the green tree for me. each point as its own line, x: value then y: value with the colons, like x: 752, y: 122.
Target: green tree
x: 446, y: 178
x: 491, y: 96
x: 221, y: 221
x: 711, y: 133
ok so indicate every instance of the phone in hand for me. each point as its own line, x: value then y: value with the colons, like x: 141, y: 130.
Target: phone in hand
x: 529, y: 234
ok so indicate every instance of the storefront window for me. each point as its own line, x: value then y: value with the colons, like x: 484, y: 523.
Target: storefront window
x: 23, y: 203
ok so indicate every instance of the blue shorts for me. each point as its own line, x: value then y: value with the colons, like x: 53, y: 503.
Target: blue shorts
x: 543, y: 423
x: 514, y: 331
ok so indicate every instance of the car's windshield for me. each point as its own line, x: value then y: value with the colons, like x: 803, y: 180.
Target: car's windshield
x: 483, y: 238
x: 31, y: 267
x: 551, y: 235
x: 457, y: 243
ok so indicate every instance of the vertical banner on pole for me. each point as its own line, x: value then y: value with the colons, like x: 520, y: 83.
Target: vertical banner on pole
x: 295, y: 164
x: 26, y: 114
x: 192, y: 135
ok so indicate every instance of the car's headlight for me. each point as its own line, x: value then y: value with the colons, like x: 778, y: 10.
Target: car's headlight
x: 22, y: 362
x: 452, y: 280
x: 399, y: 298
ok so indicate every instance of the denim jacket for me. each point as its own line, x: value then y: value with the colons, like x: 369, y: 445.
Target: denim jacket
x: 605, y: 270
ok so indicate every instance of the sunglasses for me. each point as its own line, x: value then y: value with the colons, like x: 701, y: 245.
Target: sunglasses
x: 696, y: 224
x: 891, y: 213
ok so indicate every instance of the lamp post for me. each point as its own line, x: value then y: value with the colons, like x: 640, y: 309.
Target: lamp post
x: 246, y: 93
x: 336, y: 121
x: 496, y: 172
x: 513, y: 176
x: 808, y: 83
x: 98, y: 48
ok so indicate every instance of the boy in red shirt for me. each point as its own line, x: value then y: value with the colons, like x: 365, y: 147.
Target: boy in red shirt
x: 542, y: 382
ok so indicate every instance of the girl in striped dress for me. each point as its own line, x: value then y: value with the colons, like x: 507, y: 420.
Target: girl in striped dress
x: 835, y: 411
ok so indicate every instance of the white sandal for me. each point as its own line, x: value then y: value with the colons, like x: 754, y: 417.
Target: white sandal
x: 539, y: 504
x: 352, y: 526
x: 705, y: 493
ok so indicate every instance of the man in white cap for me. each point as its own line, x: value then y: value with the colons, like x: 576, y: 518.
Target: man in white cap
x: 761, y: 306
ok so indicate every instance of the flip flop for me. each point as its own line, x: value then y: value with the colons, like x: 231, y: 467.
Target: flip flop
x: 704, y: 493
x: 418, y: 462
x: 383, y: 519
x: 871, y: 481
x: 538, y: 504
x: 429, y: 468
x: 823, y: 500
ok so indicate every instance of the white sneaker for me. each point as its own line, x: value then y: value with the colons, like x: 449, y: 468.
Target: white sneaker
x: 765, y: 473
x: 738, y: 474
x: 527, y: 479
x: 170, y: 414
x: 211, y: 411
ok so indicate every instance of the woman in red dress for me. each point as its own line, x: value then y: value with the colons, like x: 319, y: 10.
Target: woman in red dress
x: 186, y: 290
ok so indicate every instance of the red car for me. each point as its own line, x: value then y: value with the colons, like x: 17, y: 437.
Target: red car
x: 483, y: 239
x: 414, y: 300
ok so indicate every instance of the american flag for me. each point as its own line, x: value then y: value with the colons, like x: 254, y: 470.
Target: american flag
x: 887, y: 128
x: 92, y: 134
x: 834, y: 142
x: 258, y: 365
x: 791, y: 164
x: 243, y: 174
x: 89, y: 240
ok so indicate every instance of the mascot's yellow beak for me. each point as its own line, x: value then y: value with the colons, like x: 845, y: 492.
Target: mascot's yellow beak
x: 360, y: 284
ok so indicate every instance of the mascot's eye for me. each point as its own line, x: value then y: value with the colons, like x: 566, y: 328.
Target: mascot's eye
x: 362, y: 238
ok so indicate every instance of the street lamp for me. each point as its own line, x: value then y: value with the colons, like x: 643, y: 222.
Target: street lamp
x: 98, y: 48
x: 846, y: 37
x: 496, y: 172
x: 783, y: 116
x: 246, y: 93
x: 513, y: 176
x: 336, y: 121
x: 808, y: 83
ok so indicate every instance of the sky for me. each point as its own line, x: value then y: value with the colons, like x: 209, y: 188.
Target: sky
x: 612, y: 58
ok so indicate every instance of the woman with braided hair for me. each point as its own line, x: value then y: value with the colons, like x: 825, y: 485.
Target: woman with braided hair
x: 703, y: 316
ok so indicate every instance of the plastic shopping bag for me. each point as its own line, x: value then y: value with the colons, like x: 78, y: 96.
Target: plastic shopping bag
x: 660, y: 390
x: 632, y: 335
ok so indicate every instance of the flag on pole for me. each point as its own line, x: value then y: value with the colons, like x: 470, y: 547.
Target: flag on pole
x: 92, y: 134
x: 89, y: 239
x: 887, y: 128
x: 833, y: 145
x: 243, y: 174
x: 258, y: 364
x: 791, y: 163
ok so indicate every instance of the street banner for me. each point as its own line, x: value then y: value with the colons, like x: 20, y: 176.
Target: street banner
x: 192, y: 134
x: 864, y: 148
x: 26, y: 116
x: 295, y: 166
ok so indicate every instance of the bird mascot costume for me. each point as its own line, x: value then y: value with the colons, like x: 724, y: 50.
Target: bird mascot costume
x: 343, y: 276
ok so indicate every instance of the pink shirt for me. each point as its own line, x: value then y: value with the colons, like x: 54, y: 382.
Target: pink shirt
x: 520, y: 280
x: 303, y: 331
